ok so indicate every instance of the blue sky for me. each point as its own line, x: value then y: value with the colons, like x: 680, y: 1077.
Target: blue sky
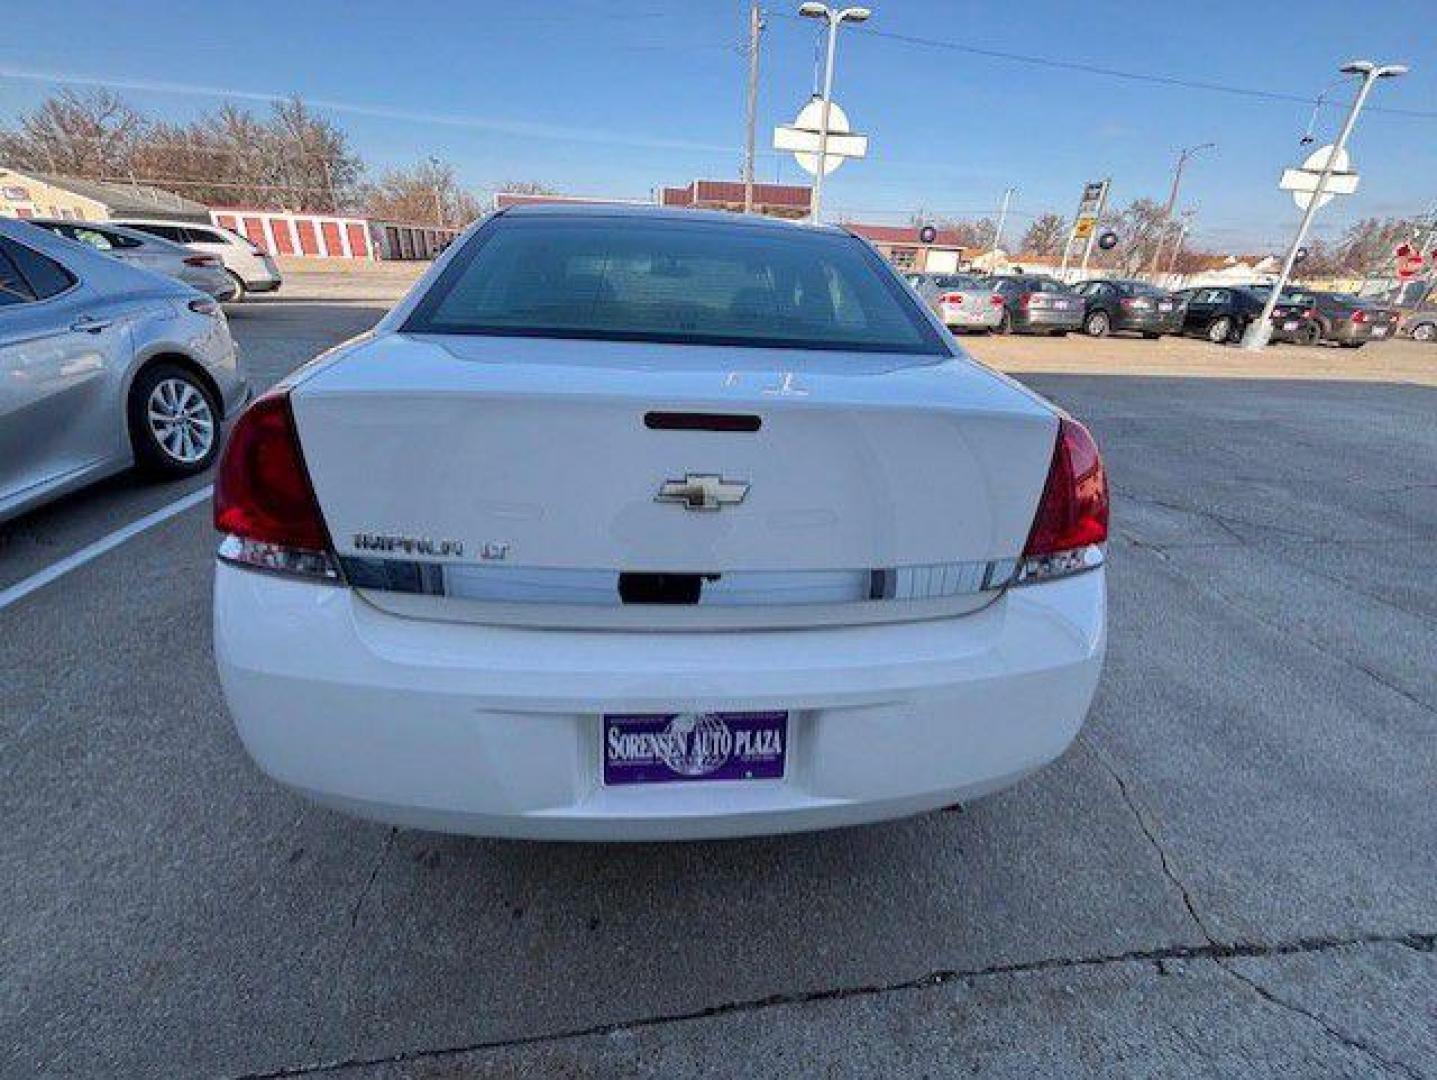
x: 616, y: 98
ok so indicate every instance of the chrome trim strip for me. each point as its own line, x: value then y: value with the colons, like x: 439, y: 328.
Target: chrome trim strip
x: 600, y: 588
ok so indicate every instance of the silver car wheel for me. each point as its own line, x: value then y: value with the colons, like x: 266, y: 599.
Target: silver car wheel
x: 1425, y: 332
x: 180, y: 420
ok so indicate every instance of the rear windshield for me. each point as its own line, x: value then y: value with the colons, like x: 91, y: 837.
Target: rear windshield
x: 1139, y: 288
x: 958, y: 281
x: 624, y: 279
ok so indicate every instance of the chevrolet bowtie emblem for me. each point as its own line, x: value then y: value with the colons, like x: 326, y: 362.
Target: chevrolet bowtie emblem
x: 702, y: 491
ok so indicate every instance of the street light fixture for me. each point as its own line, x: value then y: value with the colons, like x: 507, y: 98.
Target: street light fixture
x: 1259, y: 331
x: 835, y: 19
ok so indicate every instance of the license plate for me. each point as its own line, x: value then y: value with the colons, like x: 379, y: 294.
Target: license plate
x: 1291, y: 324
x: 1060, y: 305
x: 672, y: 747
x: 1379, y: 331
x: 1165, y: 306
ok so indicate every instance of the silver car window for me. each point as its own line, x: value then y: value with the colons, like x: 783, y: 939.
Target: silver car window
x: 42, y: 276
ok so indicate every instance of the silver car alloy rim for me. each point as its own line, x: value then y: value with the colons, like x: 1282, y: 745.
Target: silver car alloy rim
x: 181, y: 420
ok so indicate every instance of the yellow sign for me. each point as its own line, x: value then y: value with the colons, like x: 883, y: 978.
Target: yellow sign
x: 1083, y: 227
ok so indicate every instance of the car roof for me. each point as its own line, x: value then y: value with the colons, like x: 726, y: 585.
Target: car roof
x: 102, y: 226
x: 93, y: 267
x: 717, y: 218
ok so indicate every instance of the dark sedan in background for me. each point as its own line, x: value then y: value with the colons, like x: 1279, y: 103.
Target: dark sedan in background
x: 1115, y: 304
x: 1351, y: 321
x: 1308, y: 317
x: 1034, y: 304
x: 1219, y: 313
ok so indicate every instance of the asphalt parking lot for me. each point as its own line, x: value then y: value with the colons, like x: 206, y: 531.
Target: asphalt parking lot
x: 1231, y: 874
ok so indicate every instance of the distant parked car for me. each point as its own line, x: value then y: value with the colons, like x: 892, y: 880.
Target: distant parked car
x: 1219, y: 314
x: 1114, y: 304
x: 1033, y: 304
x: 961, y: 301
x: 103, y: 365
x: 1351, y: 321
x: 1419, y: 318
x: 202, y: 272
x: 251, y: 267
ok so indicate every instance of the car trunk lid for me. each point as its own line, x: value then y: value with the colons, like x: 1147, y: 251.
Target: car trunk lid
x: 495, y: 455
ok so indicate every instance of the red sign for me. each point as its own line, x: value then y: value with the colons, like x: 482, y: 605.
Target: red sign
x: 1409, y: 262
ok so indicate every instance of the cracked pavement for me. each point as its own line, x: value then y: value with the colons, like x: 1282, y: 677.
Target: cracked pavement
x: 1230, y: 875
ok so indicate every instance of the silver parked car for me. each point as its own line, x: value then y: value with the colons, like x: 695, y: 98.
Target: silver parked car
x: 102, y: 366
x: 198, y: 270
x: 962, y: 301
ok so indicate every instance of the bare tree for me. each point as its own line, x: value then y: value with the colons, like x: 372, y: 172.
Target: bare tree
x: 1368, y: 246
x: 1045, y: 236
x: 1141, y: 226
x: 427, y: 194
x: 293, y: 158
x: 91, y: 134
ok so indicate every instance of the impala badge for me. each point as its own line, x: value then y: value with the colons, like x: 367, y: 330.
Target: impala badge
x: 702, y: 491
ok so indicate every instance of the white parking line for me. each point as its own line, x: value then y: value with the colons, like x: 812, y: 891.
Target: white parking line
x: 90, y: 552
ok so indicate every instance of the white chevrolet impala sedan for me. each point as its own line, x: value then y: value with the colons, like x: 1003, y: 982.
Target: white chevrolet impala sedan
x: 634, y: 525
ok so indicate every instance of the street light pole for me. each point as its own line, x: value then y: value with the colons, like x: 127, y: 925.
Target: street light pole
x: 1183, y: 155
x: 1260, y: 330
x: 1178, y: 247
x: 438, y: 196
x: 1002, y: 216
x: 835, y: 19
x: 755, y: 28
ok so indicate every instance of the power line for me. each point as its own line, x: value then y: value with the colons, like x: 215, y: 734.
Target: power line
x: 1119, y: 73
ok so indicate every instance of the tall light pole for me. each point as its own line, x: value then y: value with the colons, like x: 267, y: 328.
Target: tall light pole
x: 1260, y: 330
x: 439, y: 218
x: 755, y: 28
x: 835, y: 19
x: 1002, y: 216
x: 1184, y: 155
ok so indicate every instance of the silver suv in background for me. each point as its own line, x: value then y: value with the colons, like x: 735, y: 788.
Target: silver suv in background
x: 198, y: 271
x: 252, y: 269
x: 102, y: 366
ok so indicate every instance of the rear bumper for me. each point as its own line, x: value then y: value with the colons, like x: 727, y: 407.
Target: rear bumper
x: 1150, y: 324
x: 1348, y: 332
x: 970, y: 316
x: 495, y: 730
x: 1043, y: 320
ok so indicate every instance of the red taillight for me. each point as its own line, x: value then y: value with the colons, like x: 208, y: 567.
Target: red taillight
x: 995, y: 300
x: 1073, y: 512
x: 263, y: 497
x: 1025, y: 300
x: 201, y: 260
x: 951, y: 298
x: 1359, y: 316
x: 1310, y: 313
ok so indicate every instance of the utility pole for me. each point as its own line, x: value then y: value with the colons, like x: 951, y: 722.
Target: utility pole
x: 1183, y: 156
x: 1260, y: 330
x: 835, y: 19
x: 329, y: 182
x: 1002, y: 217
x: 439, y: 218
x: 755, y: 28
x: 1182, y: 237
